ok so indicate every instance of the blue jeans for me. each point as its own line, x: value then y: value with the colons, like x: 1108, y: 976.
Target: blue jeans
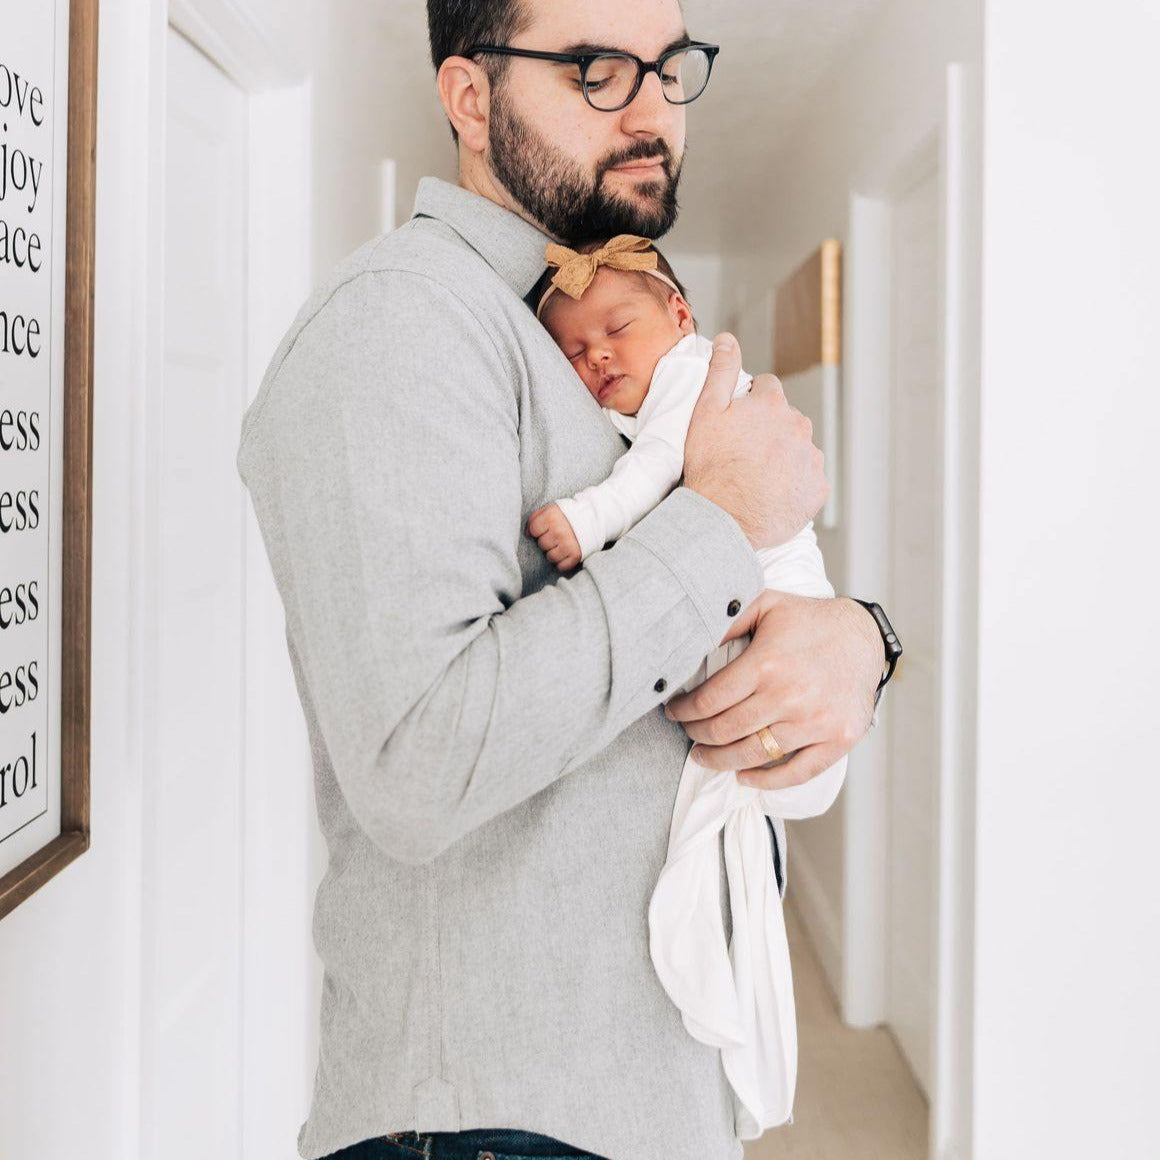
x: 475, y: 1144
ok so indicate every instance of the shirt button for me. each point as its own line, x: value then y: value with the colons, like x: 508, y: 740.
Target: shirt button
x: 487, y: 1156
x: 734, y: 607
x: 661, y: 685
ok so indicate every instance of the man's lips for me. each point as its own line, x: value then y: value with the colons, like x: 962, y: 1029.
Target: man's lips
x: 649, y: 166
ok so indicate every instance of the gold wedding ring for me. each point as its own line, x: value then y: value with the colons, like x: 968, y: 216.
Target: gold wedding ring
x: 769, y: 742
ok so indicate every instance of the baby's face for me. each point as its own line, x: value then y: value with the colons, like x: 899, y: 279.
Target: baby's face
x: 616, y: 333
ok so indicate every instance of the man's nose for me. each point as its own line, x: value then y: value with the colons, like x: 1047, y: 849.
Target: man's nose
x: 648, y: 112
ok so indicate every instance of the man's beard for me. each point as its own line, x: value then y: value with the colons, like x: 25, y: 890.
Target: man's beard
x: 555, y: 190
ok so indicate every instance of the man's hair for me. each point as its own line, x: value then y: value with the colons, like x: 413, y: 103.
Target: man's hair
x: 453, y: 26
x: 656, y: 287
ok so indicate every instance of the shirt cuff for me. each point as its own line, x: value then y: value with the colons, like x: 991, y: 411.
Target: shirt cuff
x: 706, y: 550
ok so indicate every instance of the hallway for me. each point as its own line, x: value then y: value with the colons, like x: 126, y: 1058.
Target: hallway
x: 856, y: 1098
x: 984, y: 386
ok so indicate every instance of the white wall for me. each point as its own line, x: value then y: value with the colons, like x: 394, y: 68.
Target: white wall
x: 374, y: 98
x: 872, y: 108
x: 700, y: 274
x: 1068, y: 917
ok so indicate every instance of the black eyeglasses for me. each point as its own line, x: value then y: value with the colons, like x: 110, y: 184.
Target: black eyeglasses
x: 610, y: 80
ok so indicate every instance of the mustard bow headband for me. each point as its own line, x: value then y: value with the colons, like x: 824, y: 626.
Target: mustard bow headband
x: 577, y: 270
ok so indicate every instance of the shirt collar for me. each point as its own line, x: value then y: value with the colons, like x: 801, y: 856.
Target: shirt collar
x: 513, y: 247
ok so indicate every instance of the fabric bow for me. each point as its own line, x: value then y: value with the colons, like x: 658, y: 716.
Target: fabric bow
x: 577, y: 270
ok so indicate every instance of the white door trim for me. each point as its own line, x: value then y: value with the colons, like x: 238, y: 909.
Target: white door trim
x: 952, y: 1109
x: 281, y: 973
x: 279, y: 1002
x: 866, y: 443
x: 954, y: 138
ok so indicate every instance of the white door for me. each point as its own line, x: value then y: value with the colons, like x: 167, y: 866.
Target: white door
x: 192, y: 959
x: 915, y: 565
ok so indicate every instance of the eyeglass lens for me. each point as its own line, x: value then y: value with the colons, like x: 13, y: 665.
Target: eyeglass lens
x: 611, y: 79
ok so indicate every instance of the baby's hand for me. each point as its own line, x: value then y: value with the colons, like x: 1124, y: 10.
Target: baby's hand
x: 551, y: 529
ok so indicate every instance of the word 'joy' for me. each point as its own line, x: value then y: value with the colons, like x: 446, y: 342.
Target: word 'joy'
x: 19, y: 173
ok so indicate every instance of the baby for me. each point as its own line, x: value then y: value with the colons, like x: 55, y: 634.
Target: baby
x: 619, y: 314
x: 623, y: 319
x: 628, y: 325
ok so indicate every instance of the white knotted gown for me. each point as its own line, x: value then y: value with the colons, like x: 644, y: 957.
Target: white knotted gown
x: 736, y: 997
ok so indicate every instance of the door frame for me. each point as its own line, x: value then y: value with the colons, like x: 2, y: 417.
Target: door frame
x: 277, y: 798
x: 952, y: 139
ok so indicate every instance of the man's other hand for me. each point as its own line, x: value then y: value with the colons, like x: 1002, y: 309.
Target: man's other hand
x: 809, y: 673
x: 753, y: 455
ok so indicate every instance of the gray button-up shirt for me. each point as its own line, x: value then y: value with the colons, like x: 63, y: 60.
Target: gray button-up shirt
x: 493, y: 771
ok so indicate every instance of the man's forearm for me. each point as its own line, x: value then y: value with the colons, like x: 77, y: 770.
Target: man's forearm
x: 536, y: 690
x: 553, y: 680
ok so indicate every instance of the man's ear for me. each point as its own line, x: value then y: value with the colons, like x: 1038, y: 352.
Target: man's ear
x: 466, y: 95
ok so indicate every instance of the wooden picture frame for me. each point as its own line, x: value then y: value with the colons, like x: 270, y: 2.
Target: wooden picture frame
x: 73, y: 673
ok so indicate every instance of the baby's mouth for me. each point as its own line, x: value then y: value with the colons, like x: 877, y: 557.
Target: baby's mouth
x: 607, y: 385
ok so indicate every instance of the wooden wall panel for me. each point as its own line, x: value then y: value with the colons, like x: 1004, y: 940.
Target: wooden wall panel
x: 808, y: 314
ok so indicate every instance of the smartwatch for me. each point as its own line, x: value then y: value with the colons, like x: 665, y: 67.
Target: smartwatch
x: 890, y: 642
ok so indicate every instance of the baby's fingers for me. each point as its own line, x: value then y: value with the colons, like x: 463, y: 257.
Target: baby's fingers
x: 540, y: 521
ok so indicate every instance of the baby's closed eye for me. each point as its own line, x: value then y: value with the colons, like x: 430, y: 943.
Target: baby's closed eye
x: 616, y: 330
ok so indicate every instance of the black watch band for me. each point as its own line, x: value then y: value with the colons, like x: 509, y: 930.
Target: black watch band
x: 891, y: 645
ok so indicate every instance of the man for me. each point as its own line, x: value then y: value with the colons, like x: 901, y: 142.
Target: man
x: 494, y: 772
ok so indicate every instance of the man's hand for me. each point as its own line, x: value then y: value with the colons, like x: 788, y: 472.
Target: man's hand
x: 809, y: 673
x: 549, y: 526
x: 753, y: 455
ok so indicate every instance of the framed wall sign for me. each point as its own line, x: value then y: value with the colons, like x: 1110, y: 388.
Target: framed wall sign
x: 48, y: 77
